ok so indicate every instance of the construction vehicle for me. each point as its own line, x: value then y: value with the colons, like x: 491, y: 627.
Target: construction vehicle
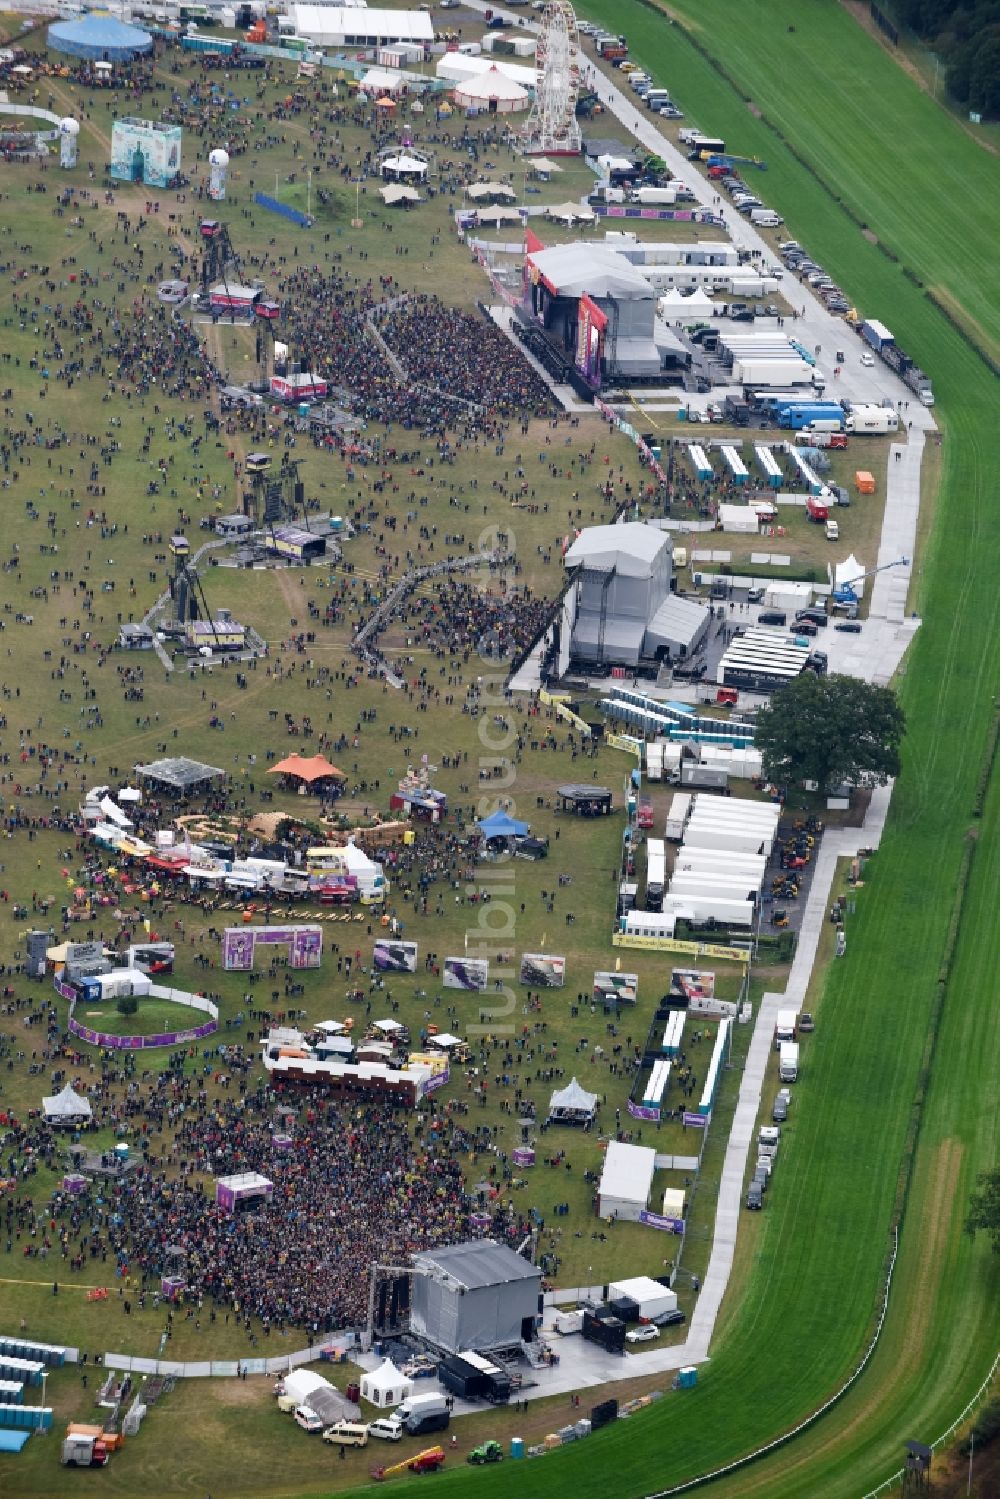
x: 428, y: 1461
x: 489, y: 1452
x: 846, y: 600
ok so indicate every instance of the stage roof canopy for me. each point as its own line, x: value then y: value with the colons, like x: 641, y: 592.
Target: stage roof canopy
x: 317, y: 768
x: 631, y: 549
x: 179, y: 773
x: 579, y: 270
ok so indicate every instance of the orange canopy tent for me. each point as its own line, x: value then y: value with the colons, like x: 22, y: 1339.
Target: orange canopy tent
x: 315, y: 769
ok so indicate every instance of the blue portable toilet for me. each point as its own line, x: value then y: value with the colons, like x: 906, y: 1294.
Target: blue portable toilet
x: 687, y: 1377
x: 517, y: 1446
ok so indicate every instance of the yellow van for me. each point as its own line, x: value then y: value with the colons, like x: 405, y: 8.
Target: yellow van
x: 347, y: 1434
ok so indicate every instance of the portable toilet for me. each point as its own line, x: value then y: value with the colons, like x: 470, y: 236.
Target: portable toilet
x: 517, y: 1446
x: 687, y: 1377
x: 121, y: 1151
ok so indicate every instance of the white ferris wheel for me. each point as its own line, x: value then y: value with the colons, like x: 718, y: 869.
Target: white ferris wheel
x: 552, y: 125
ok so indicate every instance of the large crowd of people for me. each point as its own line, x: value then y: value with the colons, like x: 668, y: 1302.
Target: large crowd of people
x: 359, y: 1182
x: 462, y: 356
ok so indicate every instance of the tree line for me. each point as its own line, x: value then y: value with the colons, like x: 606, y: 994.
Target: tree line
x: 966, y: 36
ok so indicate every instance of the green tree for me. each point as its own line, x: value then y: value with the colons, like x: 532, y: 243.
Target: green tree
x: 830, y: 729
x: 127, y: 1004
x: 984, y: 1208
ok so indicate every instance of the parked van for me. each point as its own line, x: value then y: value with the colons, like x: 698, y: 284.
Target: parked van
x: 416, y: 1406
x: 766, y: 218
x: 832, y: 531
x: 347, y: 1434
x: 420, y: 1425
x: 307, y: 1419
x: 772, y: 617
x: 386, y: 1428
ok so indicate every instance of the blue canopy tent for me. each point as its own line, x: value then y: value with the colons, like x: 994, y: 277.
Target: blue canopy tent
x: 500, y: 825
x: 99, y: 38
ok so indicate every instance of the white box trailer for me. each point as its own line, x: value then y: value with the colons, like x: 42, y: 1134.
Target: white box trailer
x: 766, y: 813
x: 648, y: 924
x: 765, y: 831
x: 723, y: 820
x: 680, y: 808
x: 567, y: 1323
x: 872, y: 420
x: 725, y: 838
x: 653, y: 197
x: 720, y: 861
x: 735, y: 810
x: 654, y: 761
x: 744, y: 284
x: 788, y: 596
x: 729, y: 887
x: 778, y: 372
x: 701, y: 908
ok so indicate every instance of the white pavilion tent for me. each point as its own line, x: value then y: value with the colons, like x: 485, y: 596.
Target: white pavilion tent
x: 492, y: 91
x: 385, y: 1385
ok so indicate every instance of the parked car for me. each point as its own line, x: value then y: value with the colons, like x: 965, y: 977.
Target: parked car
x: 755, y: 1196
x: 806, y: 1021
x: 868, y: 360
x: 779, y: 1110
x: 755, y: 595
x: 646, y: 1332
x: 849, y: 627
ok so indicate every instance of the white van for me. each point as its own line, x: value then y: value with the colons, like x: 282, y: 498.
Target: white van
x: 420, y: 1405
x: 766, y: 218
x: 832, y: 531
x: 307, y: 1419
x: 388, y: 1428
x: 347, y: 1434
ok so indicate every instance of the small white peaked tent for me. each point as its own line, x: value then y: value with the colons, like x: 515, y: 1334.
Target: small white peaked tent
x: 385, y: 1385
x: 572, y: 1105
x: 67, y: 1108
x: 698, y: 302
x: 850, y: 573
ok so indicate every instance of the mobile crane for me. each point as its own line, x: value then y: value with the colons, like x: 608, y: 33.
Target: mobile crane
x: 428, y: 1461
x: 845, y: 598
